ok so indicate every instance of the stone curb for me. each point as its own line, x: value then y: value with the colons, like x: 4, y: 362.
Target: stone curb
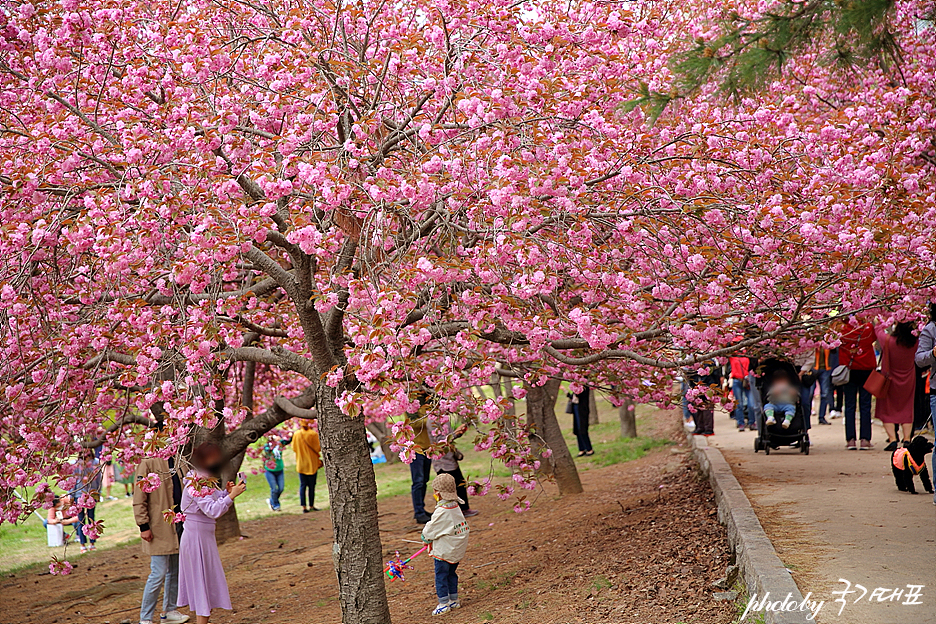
x: 760, y: 565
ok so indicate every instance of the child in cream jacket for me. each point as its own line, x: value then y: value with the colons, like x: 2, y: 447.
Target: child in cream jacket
x: 447, y: 536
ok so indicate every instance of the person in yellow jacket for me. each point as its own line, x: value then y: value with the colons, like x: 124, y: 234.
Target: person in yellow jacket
x: 308, y: 449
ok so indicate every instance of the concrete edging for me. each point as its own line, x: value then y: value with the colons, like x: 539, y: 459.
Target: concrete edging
x: 760, y: 565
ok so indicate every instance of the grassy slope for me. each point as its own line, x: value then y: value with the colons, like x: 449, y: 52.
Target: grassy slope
x: 25, y: 544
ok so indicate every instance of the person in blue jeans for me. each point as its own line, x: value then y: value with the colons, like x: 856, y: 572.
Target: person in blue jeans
x: 857, y: 353
x: 273, y: 468
x: 447, y: 536
x: 740, y: 368
x: 89, y: 482
x: 421, y: 468
x: 823, y: 367
x: 808, y: 383
x: 782, y: 397
x: 159, y: 539
x: 925, y: 357
x: 686, y: 414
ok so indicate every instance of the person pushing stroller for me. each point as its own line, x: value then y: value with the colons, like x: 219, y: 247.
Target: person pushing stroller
x: 782, y: 397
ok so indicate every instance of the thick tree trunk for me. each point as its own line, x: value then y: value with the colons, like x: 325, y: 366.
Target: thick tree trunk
x: 628, y: 415
x: 592, y: 407
x: 501, y: 387
x: 352, y: 487
x: 541, y: 412
x: 228, y: 526
x: 535, y: 404
x: 507, y: 389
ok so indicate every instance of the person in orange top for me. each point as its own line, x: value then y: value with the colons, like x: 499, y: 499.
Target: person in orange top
x: 823, y: 368
x: 308, y: 449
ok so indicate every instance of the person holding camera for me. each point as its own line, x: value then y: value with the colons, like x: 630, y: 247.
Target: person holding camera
x: 202, y: 585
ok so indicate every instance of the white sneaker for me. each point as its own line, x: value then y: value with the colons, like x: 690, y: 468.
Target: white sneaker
x: 770, y: 420
x: 455, y: 605
x: 270, y: 504
x: 173, y: 617
x: 442, y: 608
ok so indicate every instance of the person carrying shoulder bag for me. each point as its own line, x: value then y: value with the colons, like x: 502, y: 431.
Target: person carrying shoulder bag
x: 857, y: 353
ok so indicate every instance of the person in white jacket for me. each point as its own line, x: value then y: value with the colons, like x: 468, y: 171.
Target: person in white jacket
x: 447, y: 536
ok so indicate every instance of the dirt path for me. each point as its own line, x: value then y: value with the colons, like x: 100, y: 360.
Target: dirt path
x: 837, y: 514
x: 626, y: 551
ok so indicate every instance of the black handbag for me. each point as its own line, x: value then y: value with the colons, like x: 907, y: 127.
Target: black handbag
x: 809, y: 377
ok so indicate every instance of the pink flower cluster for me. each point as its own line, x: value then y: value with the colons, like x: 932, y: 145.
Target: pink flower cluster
x: 57, y: 567
x: 173, y: 517
x: 150, y: 483
x: 395, y: 240
x: 93, y: 530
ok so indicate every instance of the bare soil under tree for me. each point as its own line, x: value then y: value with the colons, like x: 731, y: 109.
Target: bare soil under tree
x: 626, y: 550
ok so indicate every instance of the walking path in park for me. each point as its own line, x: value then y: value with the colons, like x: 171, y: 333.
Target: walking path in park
x: 837, y: 514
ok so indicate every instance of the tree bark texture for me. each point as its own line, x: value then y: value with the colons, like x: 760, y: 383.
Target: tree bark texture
x: 228, y: 526
x: 592, y: 407
x: 628, y: 415
x: 541, y: 411
x: 352, y: 487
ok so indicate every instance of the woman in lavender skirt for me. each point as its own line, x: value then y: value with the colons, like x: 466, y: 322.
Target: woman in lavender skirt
x: 202, y: 586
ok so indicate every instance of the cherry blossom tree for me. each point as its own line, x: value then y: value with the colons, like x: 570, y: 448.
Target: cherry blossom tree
x: 219, y: 216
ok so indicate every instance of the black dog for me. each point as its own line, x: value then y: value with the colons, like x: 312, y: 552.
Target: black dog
x: 906, y: 462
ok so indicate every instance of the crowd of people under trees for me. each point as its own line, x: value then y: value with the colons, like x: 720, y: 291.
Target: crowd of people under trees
x: 372, y: 197
x: 176, y: 511
x: 903, y: 354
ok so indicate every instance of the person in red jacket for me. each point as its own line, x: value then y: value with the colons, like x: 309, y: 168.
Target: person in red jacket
x: 857, y: 353
x: 740, y: 388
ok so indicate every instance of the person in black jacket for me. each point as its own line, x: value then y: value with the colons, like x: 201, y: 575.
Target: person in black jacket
x: 580, y: 415
x: 704, y: 414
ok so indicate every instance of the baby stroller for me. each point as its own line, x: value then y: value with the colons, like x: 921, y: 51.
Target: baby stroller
x: 775, y: 436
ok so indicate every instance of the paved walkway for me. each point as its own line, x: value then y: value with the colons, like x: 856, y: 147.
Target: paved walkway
x: 837, y: 514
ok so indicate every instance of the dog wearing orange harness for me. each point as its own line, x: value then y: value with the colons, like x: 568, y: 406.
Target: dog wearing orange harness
x: 906, y: 462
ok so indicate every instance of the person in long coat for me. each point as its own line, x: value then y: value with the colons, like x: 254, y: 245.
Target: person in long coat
x: 581, y: 412
x: 897, y: 358
x: 202, y: 586
x: 159, y: 539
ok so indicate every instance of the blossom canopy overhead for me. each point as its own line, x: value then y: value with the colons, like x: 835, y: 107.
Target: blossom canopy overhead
x: 368, y: 202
